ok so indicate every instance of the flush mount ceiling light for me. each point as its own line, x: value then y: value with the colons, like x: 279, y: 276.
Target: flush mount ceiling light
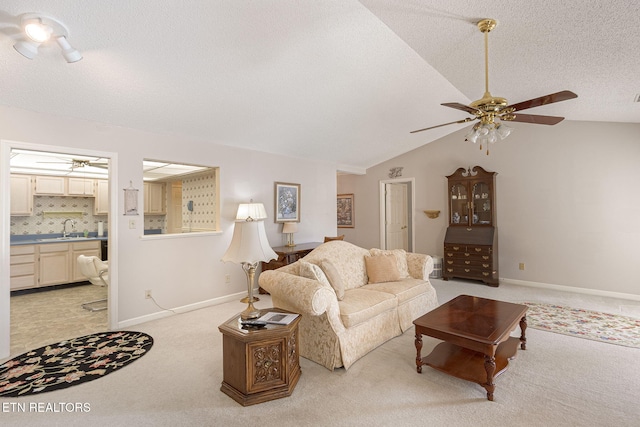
x: 38, y: 30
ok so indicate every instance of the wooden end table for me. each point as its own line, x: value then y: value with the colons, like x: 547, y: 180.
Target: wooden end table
x: 477, y: 346
x: 259, y: 364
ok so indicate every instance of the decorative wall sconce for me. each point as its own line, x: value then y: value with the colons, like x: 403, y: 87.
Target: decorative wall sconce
x: 432, y: 214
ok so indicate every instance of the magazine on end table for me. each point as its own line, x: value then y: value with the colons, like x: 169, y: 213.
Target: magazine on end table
x: 278, y: 318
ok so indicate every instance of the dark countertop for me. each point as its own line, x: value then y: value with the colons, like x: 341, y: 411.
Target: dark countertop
x: 32, y: 239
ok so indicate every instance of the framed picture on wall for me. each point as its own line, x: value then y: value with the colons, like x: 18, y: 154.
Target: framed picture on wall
x: 346, y: 213
x: 287, y: 203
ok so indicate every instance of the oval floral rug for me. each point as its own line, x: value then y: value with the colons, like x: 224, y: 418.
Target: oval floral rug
x: 71, y: 362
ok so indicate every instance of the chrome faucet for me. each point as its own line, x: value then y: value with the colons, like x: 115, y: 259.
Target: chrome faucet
x: 65, y: 233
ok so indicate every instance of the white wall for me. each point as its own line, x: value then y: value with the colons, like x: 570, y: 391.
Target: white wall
x: 568, y: 204
x: 187, y: 270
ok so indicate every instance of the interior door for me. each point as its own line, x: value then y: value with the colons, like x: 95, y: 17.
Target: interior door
x: 397, y: 228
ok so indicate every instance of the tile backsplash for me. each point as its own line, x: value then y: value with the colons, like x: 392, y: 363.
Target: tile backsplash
x: 38, y: 224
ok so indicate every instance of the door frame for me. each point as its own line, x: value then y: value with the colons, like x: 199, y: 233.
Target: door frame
x: 411, y: 182
x: 5, y: 231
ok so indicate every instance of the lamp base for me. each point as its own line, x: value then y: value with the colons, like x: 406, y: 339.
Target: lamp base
x: 246, y: 299
x: 250, y: 313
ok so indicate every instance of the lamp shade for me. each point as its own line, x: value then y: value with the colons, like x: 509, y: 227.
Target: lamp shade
x: 254, y: 211
x: 290, y: 227
x: 249, y: 244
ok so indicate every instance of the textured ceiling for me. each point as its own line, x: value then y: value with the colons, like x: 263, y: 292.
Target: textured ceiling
x: 342, y: 81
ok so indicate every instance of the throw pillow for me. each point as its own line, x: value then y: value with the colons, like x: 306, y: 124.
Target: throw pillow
x: 382, y: 268
x: 334, y: 278
x: 401, y: 259
x: 312, y: 271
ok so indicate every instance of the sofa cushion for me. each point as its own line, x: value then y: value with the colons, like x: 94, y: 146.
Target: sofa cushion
x: 382, y: 268
x: 333, y: 277
x: 404, y: 289
x: 401, y: 259
x: 347, y: 258
x: 360, y: 305
x: 312, y: 271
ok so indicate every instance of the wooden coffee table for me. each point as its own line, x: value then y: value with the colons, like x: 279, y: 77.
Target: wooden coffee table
x: 477, y: 346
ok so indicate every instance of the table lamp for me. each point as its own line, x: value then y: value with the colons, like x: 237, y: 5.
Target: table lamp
x: 289, y: 228
x: 249, y: 246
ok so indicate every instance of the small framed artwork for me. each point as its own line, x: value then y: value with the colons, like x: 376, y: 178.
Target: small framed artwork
x: 287, y: 203
x: 346, y: 212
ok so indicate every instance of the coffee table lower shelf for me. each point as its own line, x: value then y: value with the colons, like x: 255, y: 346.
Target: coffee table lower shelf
x: 467, y: 364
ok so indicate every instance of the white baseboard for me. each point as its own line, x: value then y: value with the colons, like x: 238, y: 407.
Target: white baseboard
x: 183, y: 309
x: 587, y: 291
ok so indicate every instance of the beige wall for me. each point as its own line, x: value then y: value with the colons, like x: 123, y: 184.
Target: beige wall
x: 181, y: 271
x: 567, y: 201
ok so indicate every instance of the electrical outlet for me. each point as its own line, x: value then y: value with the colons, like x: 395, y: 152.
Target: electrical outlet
x: 521, y: 266
x: 227, y: 278
x: 147, y: 294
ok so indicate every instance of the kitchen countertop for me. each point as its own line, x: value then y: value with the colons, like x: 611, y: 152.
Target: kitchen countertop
x: 32, y: 239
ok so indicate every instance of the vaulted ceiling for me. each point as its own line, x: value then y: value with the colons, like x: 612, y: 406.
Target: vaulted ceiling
x: 338, y: 80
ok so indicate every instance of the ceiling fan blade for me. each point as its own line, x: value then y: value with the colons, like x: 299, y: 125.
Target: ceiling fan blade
x: 468, y: 119
x: 536, y: 119
x: 543, y: 100
x: 459, y: 106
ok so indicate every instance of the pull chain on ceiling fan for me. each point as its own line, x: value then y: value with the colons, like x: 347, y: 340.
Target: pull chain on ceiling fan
x: 489, y: 108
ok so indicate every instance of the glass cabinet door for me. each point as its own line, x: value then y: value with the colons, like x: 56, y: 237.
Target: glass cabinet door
x: 481, y: 203
x: 459, y: 209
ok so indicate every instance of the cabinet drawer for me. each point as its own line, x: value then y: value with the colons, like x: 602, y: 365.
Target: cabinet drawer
x: 22, y: 259
x: 22, y: 250
x: 22, y: 282
x: 54, y: 247
x: 23, y: 269
x: 81, y: 246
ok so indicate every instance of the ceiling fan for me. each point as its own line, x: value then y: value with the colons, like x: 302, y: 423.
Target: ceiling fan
x: 80, y: 163
x: 489, y: 108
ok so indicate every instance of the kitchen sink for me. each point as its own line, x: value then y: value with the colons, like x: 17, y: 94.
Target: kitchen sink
x: 62, y: 239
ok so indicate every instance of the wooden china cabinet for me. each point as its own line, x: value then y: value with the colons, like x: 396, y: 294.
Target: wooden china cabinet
x: 471, y: 241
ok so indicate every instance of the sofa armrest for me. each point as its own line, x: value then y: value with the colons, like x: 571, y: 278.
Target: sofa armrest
x: 420, y: 265
x: 299, y: 294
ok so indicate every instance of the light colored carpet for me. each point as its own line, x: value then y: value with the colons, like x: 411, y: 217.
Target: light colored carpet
x: 559, y: 380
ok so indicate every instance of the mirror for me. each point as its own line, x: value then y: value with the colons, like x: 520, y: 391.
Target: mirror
x: 180, y: 198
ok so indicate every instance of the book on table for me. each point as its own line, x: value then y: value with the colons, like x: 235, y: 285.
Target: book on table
x: 278, y: 318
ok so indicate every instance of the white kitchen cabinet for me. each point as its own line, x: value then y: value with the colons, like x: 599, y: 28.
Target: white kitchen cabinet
x: 50, y: 185
x: 101, y: 205
x: 90, y: 248
x: 54, y: 267
x: 23, y: 267
x: 80, y: 187
x: 154, y: 198
x: 21, y: 195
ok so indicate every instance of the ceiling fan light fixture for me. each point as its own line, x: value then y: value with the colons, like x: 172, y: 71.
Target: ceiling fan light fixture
x: 70, y: 54
x: 503, y: 131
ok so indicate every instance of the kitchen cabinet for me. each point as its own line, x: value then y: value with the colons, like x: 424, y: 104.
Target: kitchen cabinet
x: 101, y: 204
x: 50, y: 185
x: 22, y: 269
x: 21, y: 195
x: 90, y: 248
x: 154, y: 198
x: 471, y: 240
x: 80, y: 187
x: 54, y: 264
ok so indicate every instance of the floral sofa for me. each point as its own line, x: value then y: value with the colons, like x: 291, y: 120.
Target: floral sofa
x: 351, y: 299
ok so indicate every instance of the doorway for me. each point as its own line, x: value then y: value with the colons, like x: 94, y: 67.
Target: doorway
x: 8, y: 149
x: 397, y: 198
